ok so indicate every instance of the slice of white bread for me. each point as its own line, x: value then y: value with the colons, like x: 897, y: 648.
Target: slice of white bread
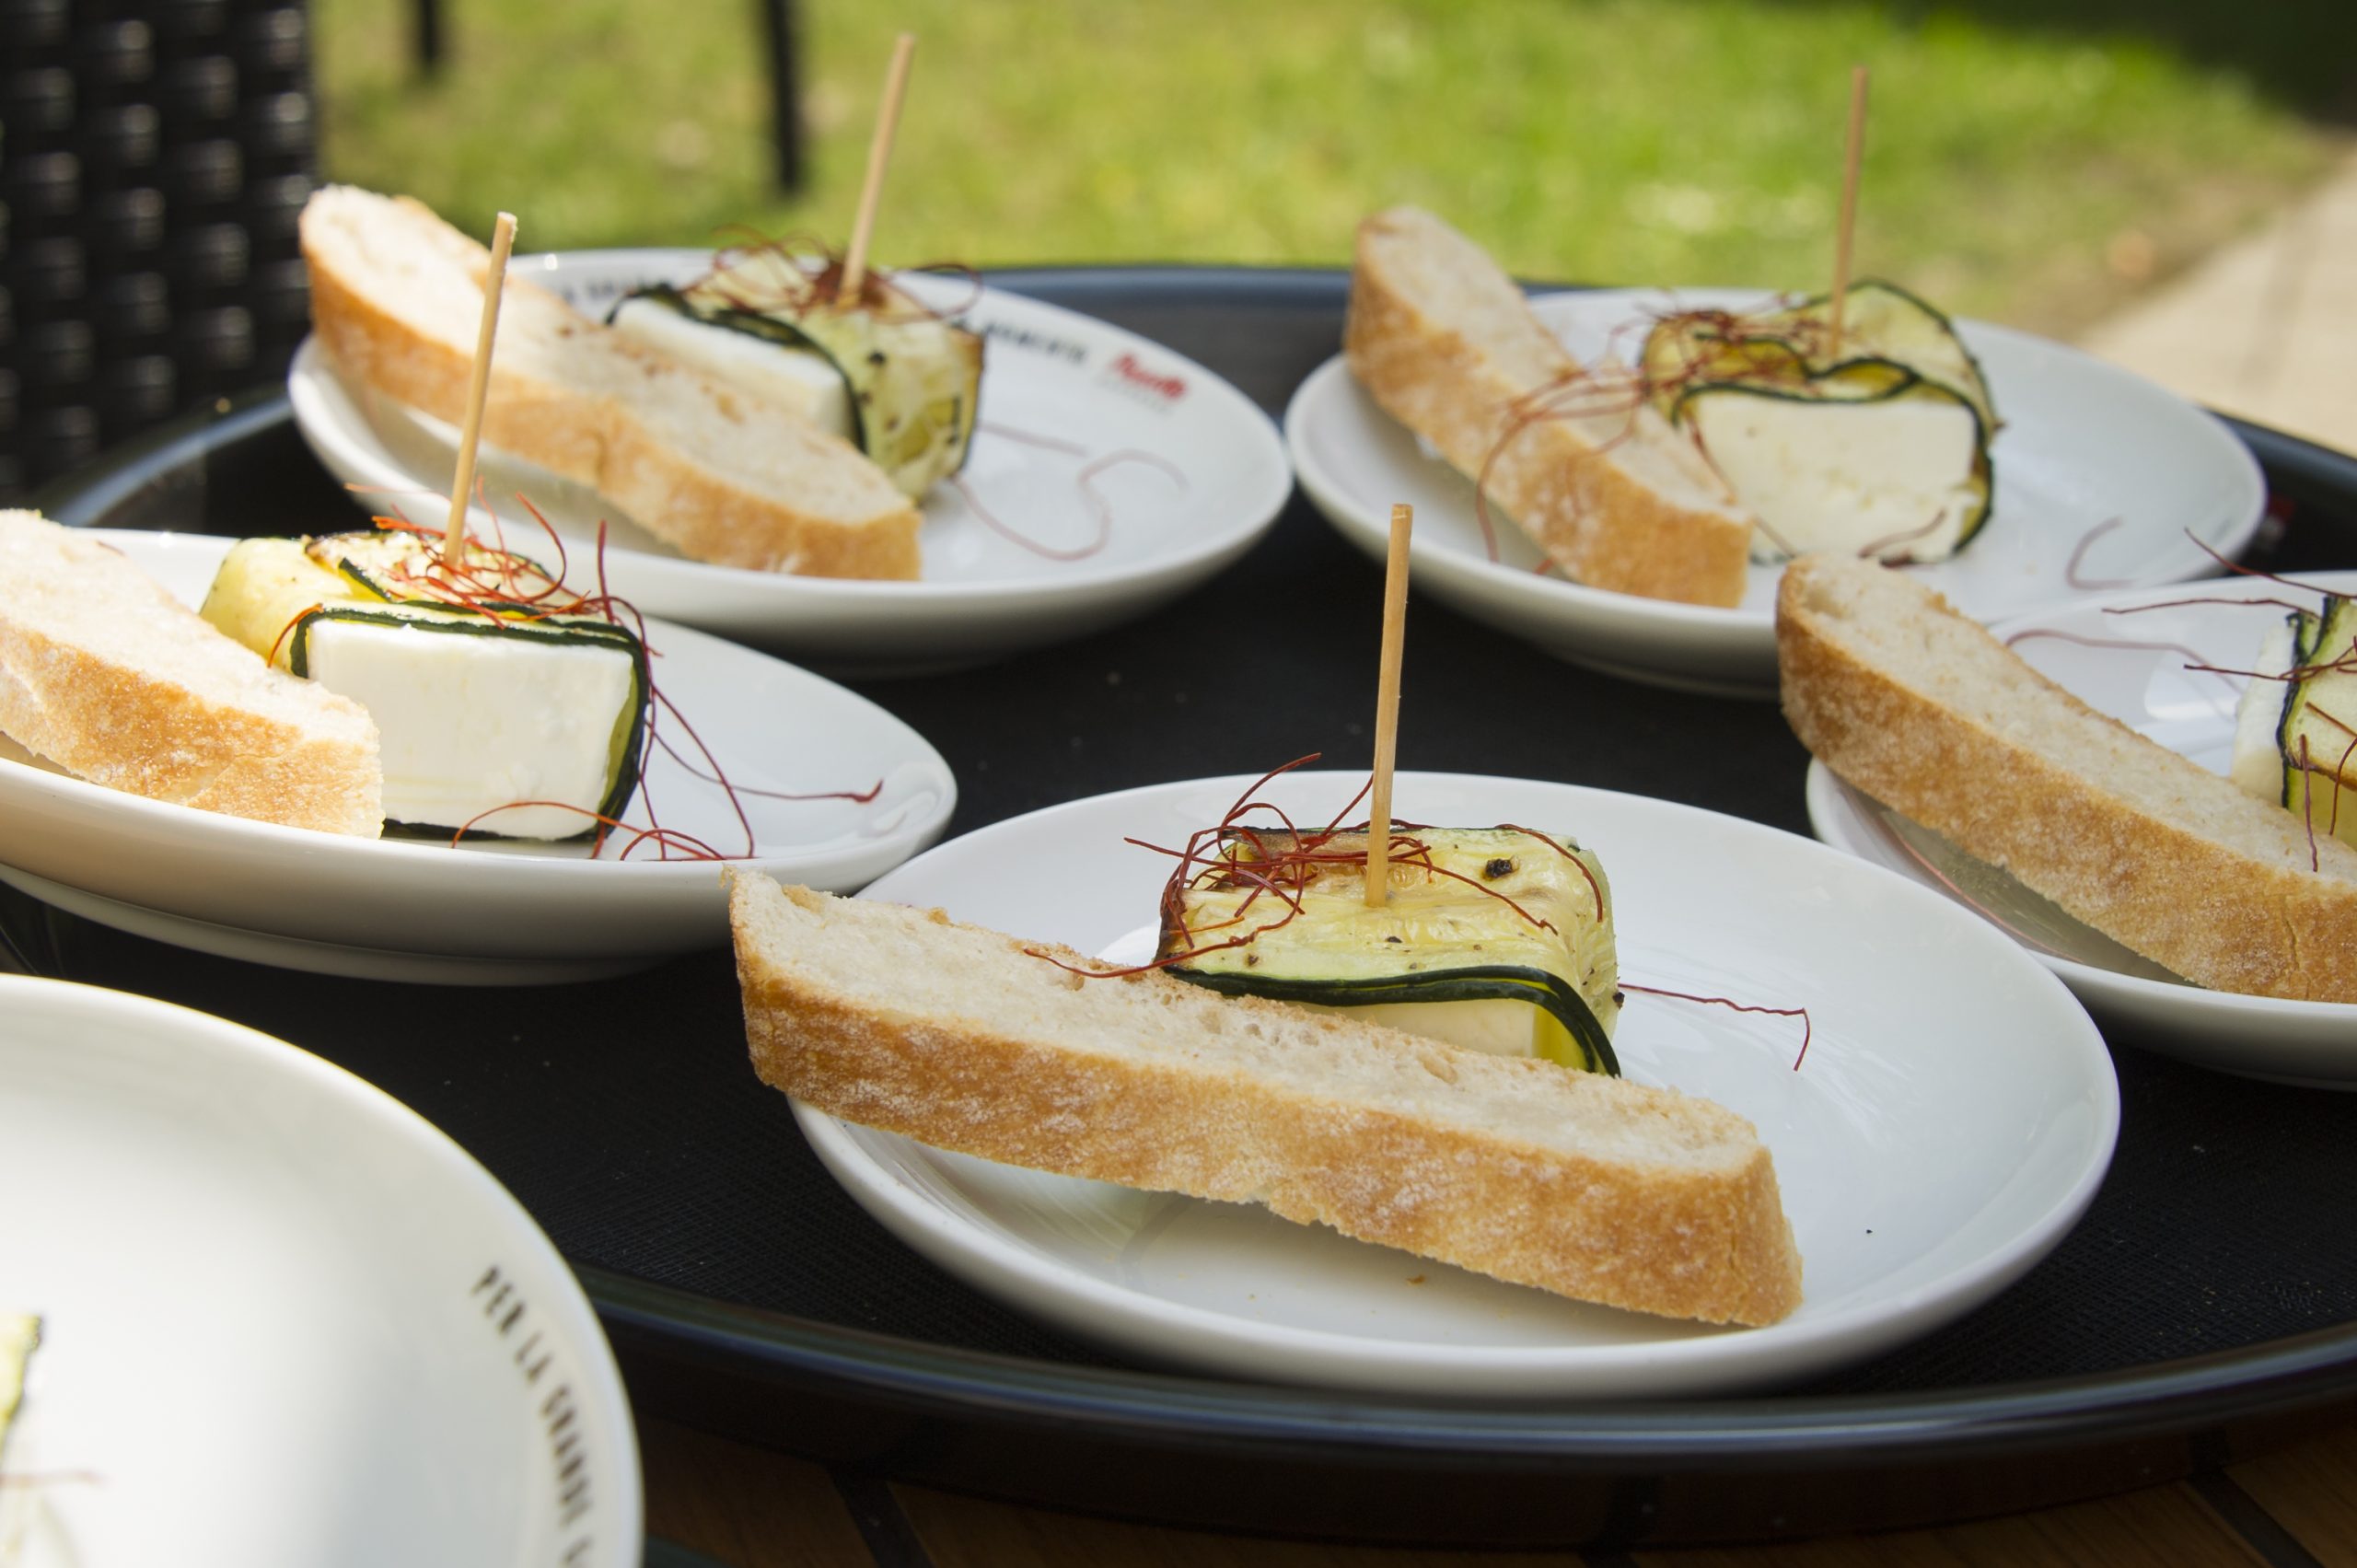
x: 395, y: 294
x: 1446, y: 344
x: 1923, y: 710
x: 108, y: 675
x: 1591, y: 1186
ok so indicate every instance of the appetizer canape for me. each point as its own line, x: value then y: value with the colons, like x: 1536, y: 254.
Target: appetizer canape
x: 722, y: 475
x: 1920, y: 708
x: 1446, y: 345
x: 504, y: 706
x: 1498, y: 939
x: 882, y: 371
x: 2295, y: 733
x: 1589, y: 1186
x: 1873, y: 438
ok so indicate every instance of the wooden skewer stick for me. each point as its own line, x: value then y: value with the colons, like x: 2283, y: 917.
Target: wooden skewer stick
x: 462, y: 483
x: 879, y: 153
x: 1850, y: 158
x: 1386, y: 706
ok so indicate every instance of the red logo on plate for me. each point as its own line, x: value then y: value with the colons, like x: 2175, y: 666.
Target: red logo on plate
x: 1128, y: 369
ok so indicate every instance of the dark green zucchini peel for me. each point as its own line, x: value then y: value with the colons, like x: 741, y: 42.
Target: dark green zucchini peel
x: 630, y: 726
x: 1502, y: 984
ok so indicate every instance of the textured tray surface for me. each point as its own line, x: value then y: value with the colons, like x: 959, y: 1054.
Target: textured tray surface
x: 623, y: 1115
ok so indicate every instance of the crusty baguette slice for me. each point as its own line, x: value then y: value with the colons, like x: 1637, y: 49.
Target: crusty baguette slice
x: 1923, y: 710
x: 1446, y: 344
x: 396, y: 294
x: 108, y: 675
x: 1592, y: 1186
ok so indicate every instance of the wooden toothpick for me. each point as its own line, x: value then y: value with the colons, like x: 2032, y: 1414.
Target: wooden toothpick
x: 1386, y: 707
x: 879, y: 153
x: 462, y: 483
x: 1849, y: 160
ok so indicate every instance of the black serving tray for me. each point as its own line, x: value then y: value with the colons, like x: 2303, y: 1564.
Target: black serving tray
x: 2206, y: 1308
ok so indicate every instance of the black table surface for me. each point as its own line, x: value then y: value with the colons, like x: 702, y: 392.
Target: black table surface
x: 2207, y: 1304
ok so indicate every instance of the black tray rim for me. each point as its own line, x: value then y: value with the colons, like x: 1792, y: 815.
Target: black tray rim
x: 1765, y: 1433
x: 660, y: 1327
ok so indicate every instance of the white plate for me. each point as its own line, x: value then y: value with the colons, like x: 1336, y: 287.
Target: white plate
x: 2083, y: 443
x: 489, y: 911
x: 1212, y: 480
x: 1954, y: 1116
x: 288, y: 1322
x: 2150, y: 690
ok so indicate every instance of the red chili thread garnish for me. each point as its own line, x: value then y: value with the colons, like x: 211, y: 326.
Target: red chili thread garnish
x: 1873, y: 550
x: 2198, y: 600
x: 1098, y: 504
x: 862, y: 796
x: 1957, y: 891
x: 1595, y: 891
x: 2071, y: 573
x: 812, y: 279
x: 52, y: 1478
x: 2196, y: 663
x: 2122, y: 645
x: 693, y: 847
x: 2340, y: 724
x: 1209, y: 859
x: 1027, y: 438
x: 1776, y: 353
x: 2238, y: 569
x: 2336, y: 773
x: 1809, y: 1029
x: 1281, y: 864
x: 1582, y: 393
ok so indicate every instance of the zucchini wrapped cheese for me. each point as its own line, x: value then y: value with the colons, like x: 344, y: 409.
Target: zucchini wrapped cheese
x: 2295, y: 733
x: 886, y: 373
x: 1883, y: 447
x: 481, y: 707
x: 1495, y: 938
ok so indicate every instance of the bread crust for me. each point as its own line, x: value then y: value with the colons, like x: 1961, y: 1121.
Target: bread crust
x: 1708, y: 1244
x: 2220, y: 915
x: 1602, y: 525
x: 131, y: 722
x: 604, y: 436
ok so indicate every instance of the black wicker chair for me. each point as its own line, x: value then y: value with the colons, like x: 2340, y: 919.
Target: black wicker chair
x: 155, y: 156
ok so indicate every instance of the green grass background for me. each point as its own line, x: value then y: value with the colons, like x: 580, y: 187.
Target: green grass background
x: 2028, y: 162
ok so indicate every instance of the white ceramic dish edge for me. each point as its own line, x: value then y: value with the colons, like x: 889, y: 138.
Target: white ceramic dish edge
x: 1210, y: 1340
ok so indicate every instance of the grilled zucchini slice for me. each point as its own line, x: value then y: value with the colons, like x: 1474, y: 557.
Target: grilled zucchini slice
x: 913, y: 380
x: 2296, y: 736
x: 478, y: 710
x: 1496, y: 939
x: 1883, y: 448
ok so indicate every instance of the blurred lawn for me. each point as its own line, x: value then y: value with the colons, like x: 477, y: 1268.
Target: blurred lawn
x: 2026, y: 161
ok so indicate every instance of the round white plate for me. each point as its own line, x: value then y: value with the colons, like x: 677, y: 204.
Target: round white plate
x: 2151, y: 689
x: 2083, y: 443
x: 286, y: 1321
x: 492, y: 911
x: 1953, y: 1115
x: 1060, y: 391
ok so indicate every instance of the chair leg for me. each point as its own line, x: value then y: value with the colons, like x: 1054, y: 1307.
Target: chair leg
x: 428, y: 37
x: 785, y: 100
